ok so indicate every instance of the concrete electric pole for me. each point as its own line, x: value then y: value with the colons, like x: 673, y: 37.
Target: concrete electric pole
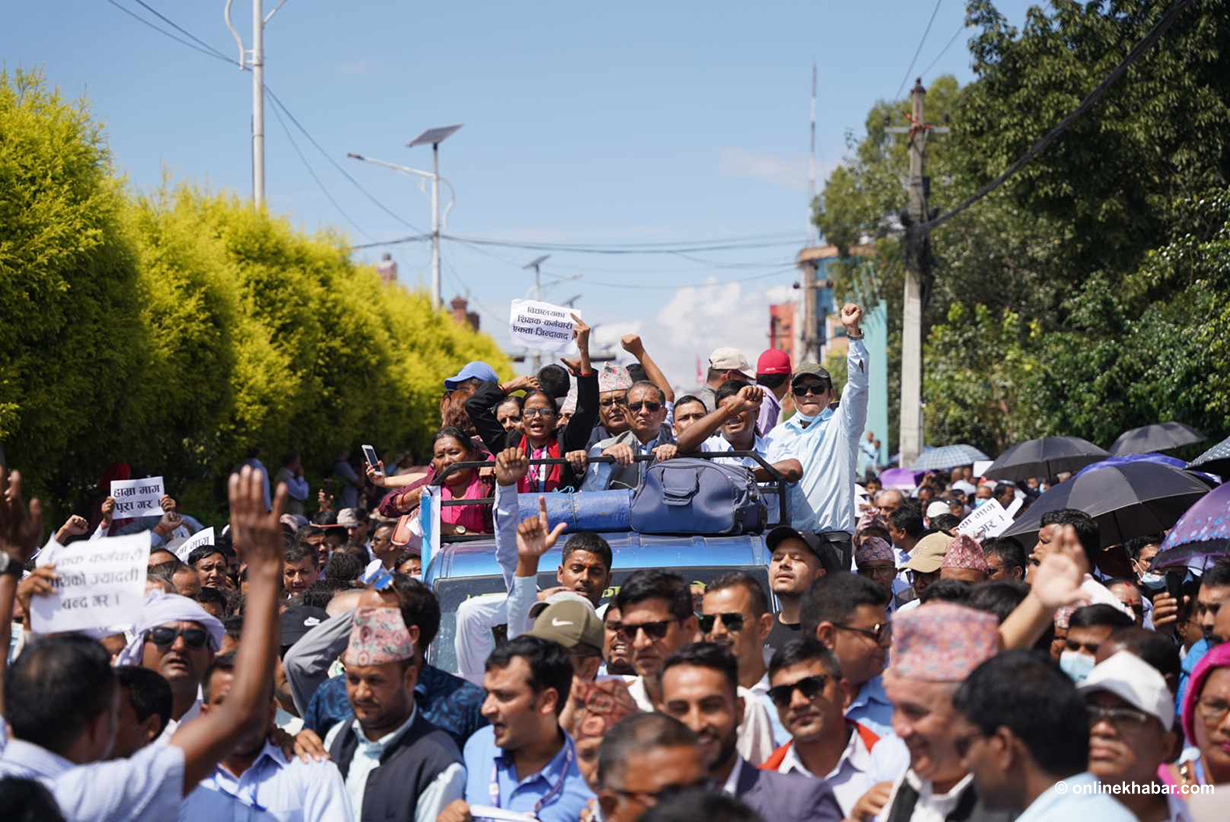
x: 917, y: 262
x: 257, y: 63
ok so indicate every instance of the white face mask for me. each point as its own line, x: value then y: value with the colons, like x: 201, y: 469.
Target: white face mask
x: 1076, y: 665
x: 1154, y: 582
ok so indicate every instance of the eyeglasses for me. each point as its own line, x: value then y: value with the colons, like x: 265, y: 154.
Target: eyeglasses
x: 732, y: 621
x: 530, y: 413
x: 648, y: 405
x: 653, y: 630
x: 809, y: 390
x: 1212, y: 711
x: 1120, y: 718
x: 809, y: 686
x: 609, y: 401
x: 880, y: 632
x: 165, y: 637
x: 880, y: 572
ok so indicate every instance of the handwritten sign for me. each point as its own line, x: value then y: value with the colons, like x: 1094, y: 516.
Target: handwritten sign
x: 541, y: 326
x: 101, y: 583
x: 987, y: 520
x: 137, y: 498
x: 203, y: 537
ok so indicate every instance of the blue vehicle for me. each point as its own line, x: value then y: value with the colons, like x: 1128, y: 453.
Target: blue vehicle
x: 465, y: 567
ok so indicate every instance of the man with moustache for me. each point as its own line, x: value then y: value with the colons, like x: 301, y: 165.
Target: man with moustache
x: 646, y: 434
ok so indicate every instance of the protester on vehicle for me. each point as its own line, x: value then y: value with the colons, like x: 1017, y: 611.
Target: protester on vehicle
x: 732, y: 427
x: 524, y: 761
x: 688, y: 410
x: 773, y: 376
x: 644, y: 757
x: 646, y: 435
x: 1024, y: 738
x: 796, y: 561
x: 809, y: 695
x: 700, y: 688
x: 614, y: 381
x: 508, y: 413
x: 847, y: 614
x: 725, y: 364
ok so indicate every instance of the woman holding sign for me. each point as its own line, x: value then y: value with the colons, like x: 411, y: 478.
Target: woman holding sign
x: 541, y: 436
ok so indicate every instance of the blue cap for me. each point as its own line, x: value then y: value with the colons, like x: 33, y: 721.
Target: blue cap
x: 472, y: 370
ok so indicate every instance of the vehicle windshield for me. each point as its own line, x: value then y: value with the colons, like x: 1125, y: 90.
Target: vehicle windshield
x: 453, y: 592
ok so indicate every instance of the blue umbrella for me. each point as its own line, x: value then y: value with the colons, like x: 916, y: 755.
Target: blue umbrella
x: 948, y: 456
x: 1201, y: 534
x: 1173, y: 462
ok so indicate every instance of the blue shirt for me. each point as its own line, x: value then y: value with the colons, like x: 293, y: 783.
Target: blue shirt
x: 1194, y: 655
x: 147, y: 785
x: 563, y: 803
x: 272, y: 788
x: 872, y: 708
x: 823, y: 500
x: 448, y: 702
x: 1076, y: 800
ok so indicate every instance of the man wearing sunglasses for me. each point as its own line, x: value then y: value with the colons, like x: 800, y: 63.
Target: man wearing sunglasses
x: 656, y: 621
x: 700, y: 689
x: 809, y: 693
x: 646, y: 434
x: 825, y: 442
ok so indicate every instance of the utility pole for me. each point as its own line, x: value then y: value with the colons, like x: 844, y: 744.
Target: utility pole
x: 257, y: 63
x: 917, y: 263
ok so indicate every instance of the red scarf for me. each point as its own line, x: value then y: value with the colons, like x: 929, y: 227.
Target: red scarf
x: 529, y: 483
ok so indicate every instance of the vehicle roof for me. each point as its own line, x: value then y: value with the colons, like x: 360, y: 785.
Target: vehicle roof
x: 629, y: 550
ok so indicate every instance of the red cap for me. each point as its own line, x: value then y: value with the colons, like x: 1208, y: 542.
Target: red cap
x: 773, y: 362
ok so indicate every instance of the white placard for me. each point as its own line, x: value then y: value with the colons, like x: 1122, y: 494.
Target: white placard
x: 137, y: 498
x: 987, y: 520
x: 981, y: 466
x: 541, y: 326
x: 101, y: 583
x: 203, y: 537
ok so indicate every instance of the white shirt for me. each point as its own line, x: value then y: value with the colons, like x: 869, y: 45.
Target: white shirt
x: 718, y: 444
x: 272, y: 788
x: 930, y: 807
x: 450, y: 785
x: 755, y: 743
x: 731, y: 788
x: 192, y: 713
x: 859, y: 768
x: 823, y: 500
x: 1076, y: 801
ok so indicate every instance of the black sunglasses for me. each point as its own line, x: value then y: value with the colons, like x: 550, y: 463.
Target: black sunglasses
x: 653, y: 630
x: 648, y: 405
x: 878, y: 632
x: 165, y: 637
x: 609, y: 401
x: 809, y: 686
x: 811, y: 389
x: 732, y: 621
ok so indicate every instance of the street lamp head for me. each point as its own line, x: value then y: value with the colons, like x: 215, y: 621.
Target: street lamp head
x: 537, y: 262
x: 354, y: 156
x: 434, y: 136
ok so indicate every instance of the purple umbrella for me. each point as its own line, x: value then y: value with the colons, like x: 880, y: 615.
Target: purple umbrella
x: 1159, y: 458
x: 1202, y: 534
x: 899, y: 478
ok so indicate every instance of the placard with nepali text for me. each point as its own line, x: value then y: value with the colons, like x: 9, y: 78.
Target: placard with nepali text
x: 987, y: 520
x: 540, y: 325
x: 101, y: 583
x: 203, y: 537
x: 137, y: 498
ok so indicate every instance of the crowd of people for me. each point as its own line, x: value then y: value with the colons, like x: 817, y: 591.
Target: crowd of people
x: 893, y: 668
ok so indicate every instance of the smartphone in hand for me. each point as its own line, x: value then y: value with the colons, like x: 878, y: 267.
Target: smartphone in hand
x: 369, y: 454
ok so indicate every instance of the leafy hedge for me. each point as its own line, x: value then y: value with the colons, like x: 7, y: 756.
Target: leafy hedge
x: 180, y: 330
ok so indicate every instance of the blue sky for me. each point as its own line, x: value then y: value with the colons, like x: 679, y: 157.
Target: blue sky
x: 608, y: 125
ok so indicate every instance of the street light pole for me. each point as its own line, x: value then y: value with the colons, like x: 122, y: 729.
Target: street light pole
x: 435, y: 136
x: 257, y: 64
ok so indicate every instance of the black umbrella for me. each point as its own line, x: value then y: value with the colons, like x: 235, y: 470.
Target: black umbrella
x: 1216, y: 460
x: 1160, y: 437
x: 1045, y: 457
x: 1128, y: 500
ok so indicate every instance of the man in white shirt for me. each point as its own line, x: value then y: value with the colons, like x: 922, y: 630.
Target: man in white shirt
x: 257, y: 776
x: 1022, y: 730
x: 809, y: 693
x: 732, y: 427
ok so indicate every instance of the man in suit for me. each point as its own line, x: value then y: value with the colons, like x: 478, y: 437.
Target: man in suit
x: 700, y: 688
x: 645, y: 413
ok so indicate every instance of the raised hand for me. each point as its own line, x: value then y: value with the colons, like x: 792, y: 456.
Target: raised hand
x: 167, y: 504
x: 375, y: 474
x: 74, y: 526
x: 851, y: 316
x: 632, y: 344
x: 21, y: 526
x: 1057, y: 582
x: 533, y: 538
x: 108, y: 508
x: 750, y: 396
x: 573, y: 365
x: 580, y: 332
x: 255, y: 533
x: 511, y: 465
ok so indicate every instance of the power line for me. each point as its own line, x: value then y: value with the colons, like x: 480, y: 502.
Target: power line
x: 943, y: 51
x: 209, y: 51
x: 181, y: 29
x: 715, y: 246
x: 918, y: 50
x: 312, y: 172
x: 1054, y: 134
x: 706, y: 284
